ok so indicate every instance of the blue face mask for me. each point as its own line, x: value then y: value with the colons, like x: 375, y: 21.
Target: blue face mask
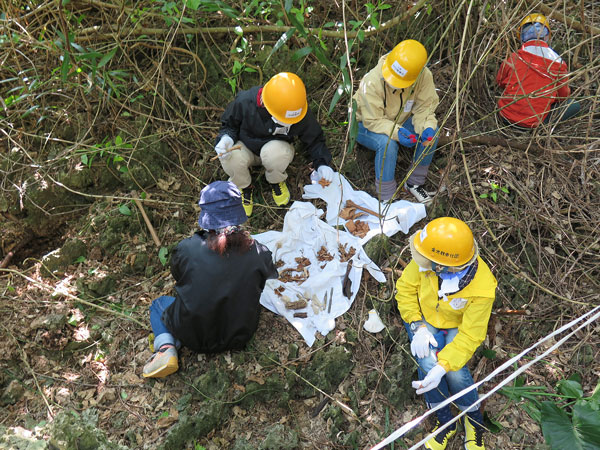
x: 534, y: 31
x: 442, y: 272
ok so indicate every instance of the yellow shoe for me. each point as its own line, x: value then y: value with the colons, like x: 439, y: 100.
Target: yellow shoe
x: 281, y: 193
x: 247, y: 201
x: 473, y: 436
x: 440, y: 441
x: 164, y: 362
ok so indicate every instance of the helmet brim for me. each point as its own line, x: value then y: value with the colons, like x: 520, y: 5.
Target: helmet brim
x: 393, y: 80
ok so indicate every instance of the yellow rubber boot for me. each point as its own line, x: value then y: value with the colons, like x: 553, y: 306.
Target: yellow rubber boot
x: 247, y: 201
x: 440, y: 441
x: 281, y: 193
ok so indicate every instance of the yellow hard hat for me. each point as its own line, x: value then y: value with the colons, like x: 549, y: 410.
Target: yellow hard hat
x: 446, y: 241
x: 534, y: 18
x: 284, y: 96
x: 404, y: 63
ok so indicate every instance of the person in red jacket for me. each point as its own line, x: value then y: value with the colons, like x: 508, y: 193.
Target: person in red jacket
x: 534, y: 79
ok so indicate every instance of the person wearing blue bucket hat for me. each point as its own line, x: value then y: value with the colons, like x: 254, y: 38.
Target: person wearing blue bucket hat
x: 220, y: 273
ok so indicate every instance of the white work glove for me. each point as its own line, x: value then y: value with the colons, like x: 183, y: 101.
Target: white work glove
x: 224, y: 144
x: 419, y: 346
x: 431, y: 380
x: 326, y: 173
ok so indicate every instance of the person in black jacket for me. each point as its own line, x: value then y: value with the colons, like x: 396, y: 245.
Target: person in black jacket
x: 220, y: 273
x: 262, y: 123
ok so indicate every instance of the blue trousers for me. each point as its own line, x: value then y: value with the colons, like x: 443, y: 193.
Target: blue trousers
x: 162, y: 335
x: 452, y: 382
x: 386, y: 151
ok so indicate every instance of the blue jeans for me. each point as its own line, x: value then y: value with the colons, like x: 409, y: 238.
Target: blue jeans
x: 162, y: 335
x: 562, y: 111
x: 452, y: 382
x: 386, y: 150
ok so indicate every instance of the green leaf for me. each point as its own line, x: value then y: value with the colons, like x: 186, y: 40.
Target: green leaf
x: 124, y: 209
x: 73, y: 321
x: 488, y: 353
x: 164, y: 414
x: 192, y: 4
x: 353, y: 127
x: 587, y: 424
x: 84, y: 159
x: 504, y: 189
x: 494, y: 196
x: 162, y: 255
x: 560, y: 433
x: 483, y: 196
x: 301, y: 53
x: 66, y: 65
x: 533, y: 411
x: 493, y: 425
x: 281, y: 41
x: 288, y: 5
x: 570, y: 388
x: 118, y: 140
x: 124, y: 395
x: 79, y: 259
x: 361, y: 35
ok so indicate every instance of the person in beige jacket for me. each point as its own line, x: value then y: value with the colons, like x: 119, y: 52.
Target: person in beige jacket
x: 396, y: 104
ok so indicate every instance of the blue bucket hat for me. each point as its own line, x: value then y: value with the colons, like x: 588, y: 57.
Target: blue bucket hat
x: 221, y: 203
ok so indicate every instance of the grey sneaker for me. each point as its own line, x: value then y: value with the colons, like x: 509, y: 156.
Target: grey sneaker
x: 164, y: 362
x: 419, y: 193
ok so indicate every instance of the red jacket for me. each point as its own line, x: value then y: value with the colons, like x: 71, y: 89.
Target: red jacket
x: 536, y: 77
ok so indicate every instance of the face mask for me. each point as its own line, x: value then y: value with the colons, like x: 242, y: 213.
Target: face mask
x: 281, y: 128
x: 280, y: 123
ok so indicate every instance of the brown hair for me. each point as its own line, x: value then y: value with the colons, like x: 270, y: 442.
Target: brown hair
x: 229, y: 239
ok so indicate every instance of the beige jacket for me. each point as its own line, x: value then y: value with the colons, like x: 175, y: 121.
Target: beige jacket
x: 383, y: 109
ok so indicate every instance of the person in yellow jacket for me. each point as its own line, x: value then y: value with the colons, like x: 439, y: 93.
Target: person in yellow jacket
x: 396, y: 104
x: 445, y: 297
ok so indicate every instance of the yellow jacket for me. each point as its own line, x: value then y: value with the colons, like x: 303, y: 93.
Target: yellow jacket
x: 468, y: 309
x: 379, y: 104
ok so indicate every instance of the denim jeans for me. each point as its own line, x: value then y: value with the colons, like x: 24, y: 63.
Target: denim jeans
x: 452, y: 382
x: 562, y: 111
x: 162, y: 335
x: 386, y: 150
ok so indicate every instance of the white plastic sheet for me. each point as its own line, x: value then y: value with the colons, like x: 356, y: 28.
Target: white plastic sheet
x: 303, y: 235
x: 398, y: 216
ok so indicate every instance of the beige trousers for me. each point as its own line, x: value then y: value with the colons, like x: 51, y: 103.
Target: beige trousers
x: 275, y: 157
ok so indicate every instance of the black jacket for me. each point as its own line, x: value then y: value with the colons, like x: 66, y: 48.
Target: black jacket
x: 244, y: 120
x: 216, y: 305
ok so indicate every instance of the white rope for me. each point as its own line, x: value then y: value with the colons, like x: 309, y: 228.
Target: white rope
x: 413, y: 423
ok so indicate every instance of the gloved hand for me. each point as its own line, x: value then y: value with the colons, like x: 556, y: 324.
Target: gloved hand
x: 406, y: 138
x: 431, y: 380
x: 223, y: 145
x: 427, y: 136
x: 419, y: 346
x: 326, y: 173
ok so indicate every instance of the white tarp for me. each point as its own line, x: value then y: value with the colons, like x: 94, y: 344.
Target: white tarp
x: 398, y: 216
x: 304, y: 234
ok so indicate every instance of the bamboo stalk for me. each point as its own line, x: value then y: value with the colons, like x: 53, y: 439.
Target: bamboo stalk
x: 138, y: 203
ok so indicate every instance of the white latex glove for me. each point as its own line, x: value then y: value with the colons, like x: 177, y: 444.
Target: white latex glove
x: 224, y: 144
x: 419, y: 346
x: 326, y: 173
x: 431, y: 380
